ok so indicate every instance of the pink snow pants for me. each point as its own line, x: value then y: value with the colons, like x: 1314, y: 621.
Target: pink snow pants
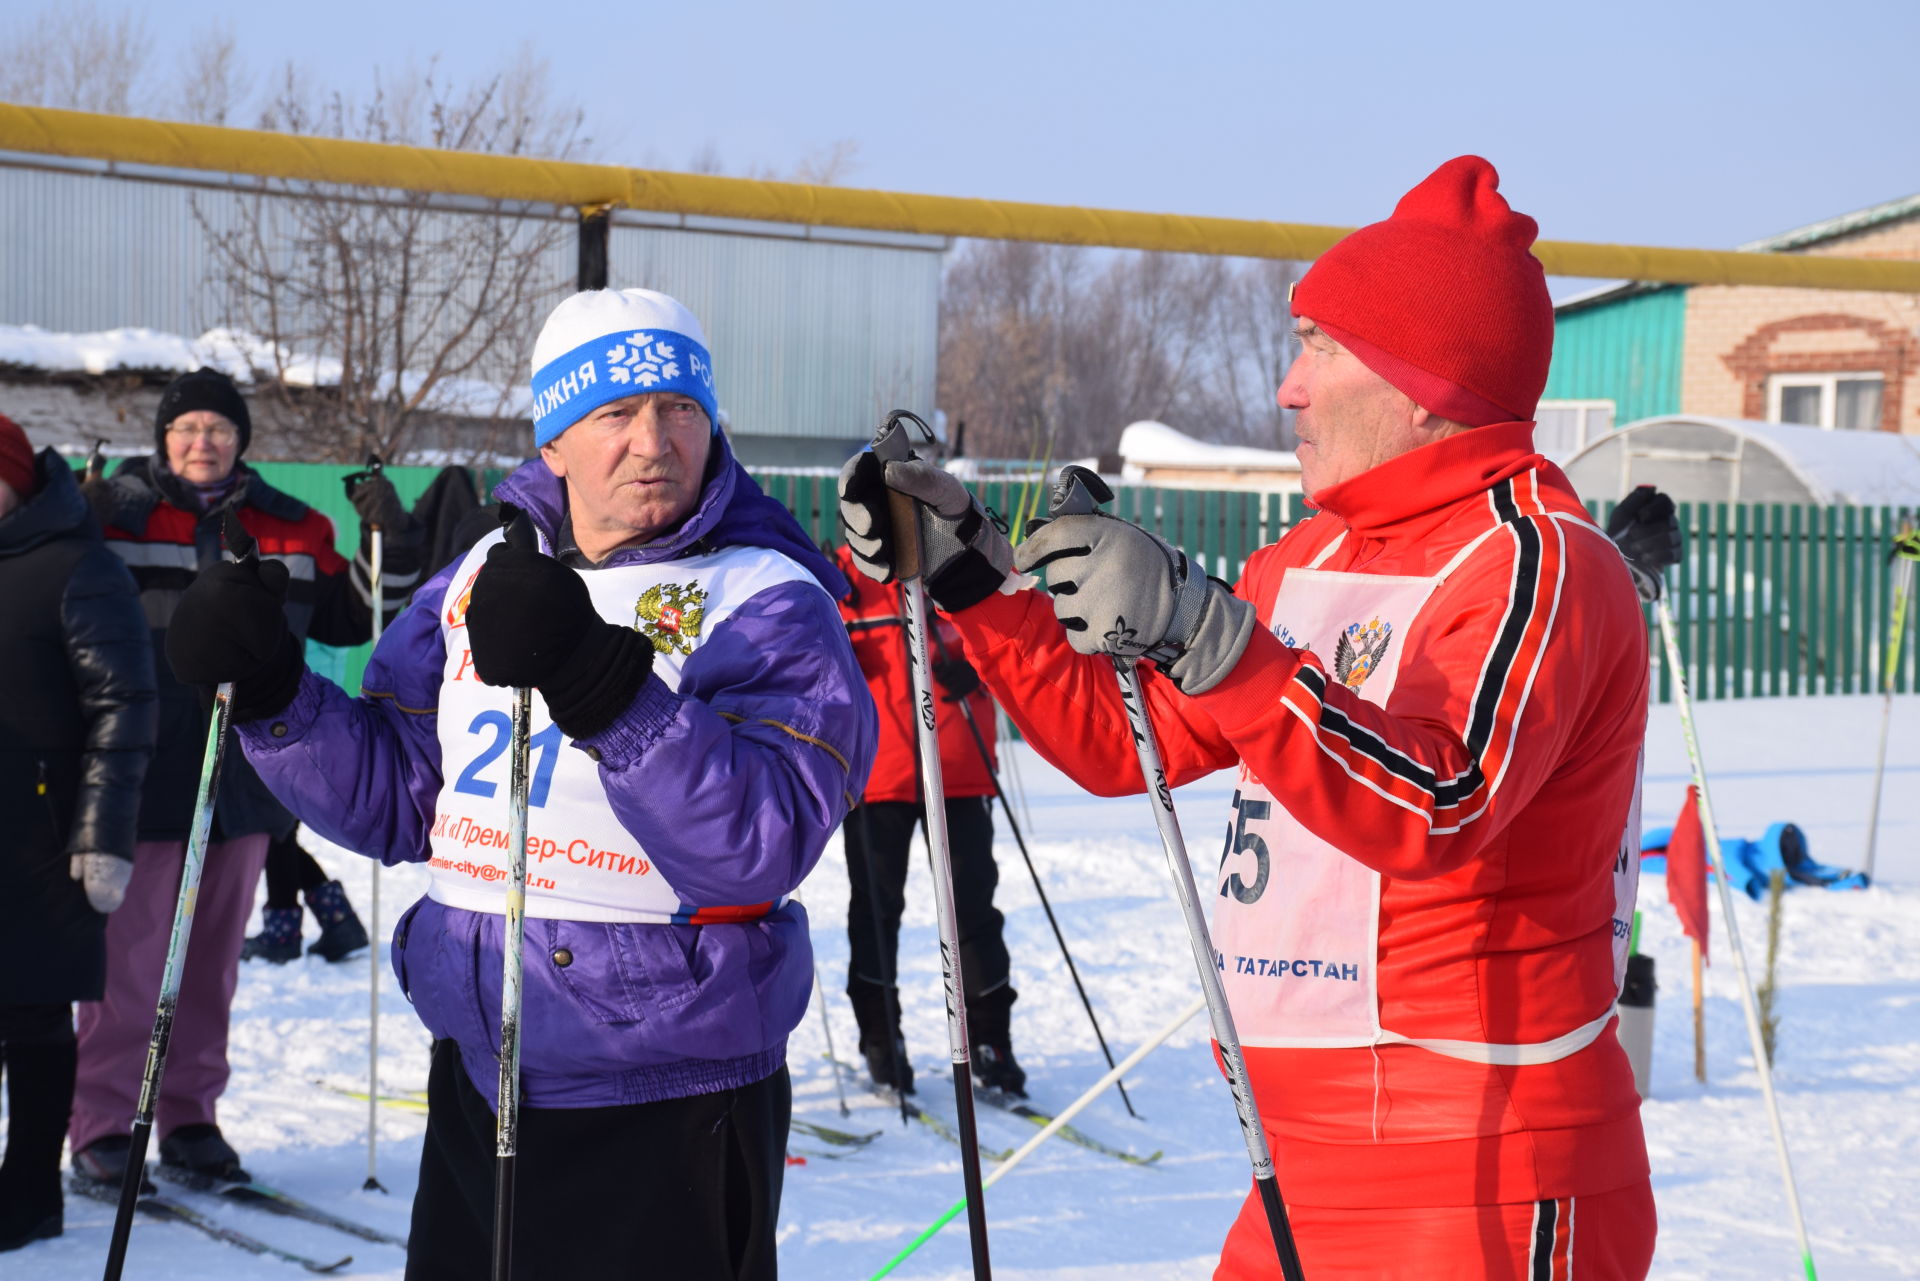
x: 114, y: 1031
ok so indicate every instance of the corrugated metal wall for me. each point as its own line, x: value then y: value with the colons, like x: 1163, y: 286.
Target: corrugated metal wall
x: 812, y: 338
x: 1628, y: 351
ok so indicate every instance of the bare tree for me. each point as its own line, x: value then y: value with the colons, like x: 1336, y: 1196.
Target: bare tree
x: 1052, y: 350
x: 77, y: 58
x: 212, y: 86
x: 365, y: 313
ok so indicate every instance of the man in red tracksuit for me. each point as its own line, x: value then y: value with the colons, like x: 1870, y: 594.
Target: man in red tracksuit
x: 879, y: 834
x: 1434, y: 691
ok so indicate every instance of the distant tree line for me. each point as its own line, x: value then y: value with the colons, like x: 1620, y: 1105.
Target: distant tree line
x: 1053, y: 350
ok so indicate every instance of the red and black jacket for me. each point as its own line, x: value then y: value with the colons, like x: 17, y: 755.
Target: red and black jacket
x: 153, y: 521
x: 872, y: 613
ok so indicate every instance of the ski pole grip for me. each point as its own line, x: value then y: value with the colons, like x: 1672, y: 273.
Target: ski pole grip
x: 242, y: 544
x: 891, y: 445
x: 1079, y: 491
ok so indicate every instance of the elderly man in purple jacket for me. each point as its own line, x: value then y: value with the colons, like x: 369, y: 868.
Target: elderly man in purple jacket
x: 699, y: 728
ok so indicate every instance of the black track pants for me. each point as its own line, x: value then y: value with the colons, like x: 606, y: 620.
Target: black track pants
x: 291, y: 871
x: 682, y: 1190
x: 885, y: 829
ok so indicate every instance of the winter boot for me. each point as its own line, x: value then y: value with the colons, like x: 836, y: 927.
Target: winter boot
x: 40, y: 1096
x: 279, y: 938
x: 341, y: 933
x: 881, y: 1044
x: 200, y: 1153
x: 989, y: 1032
x: 105, y: 1161
x: 22, y: 1223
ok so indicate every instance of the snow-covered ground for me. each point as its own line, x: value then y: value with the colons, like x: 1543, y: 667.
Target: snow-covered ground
x: 1848, y: 1068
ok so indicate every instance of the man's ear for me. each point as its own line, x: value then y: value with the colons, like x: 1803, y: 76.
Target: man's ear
x: 550, y: 455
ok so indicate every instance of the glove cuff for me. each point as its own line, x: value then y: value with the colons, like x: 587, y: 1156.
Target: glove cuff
x: 270, y: 689
x: 970, y: 579
x: 599, y: 680
x: 1226, y: 624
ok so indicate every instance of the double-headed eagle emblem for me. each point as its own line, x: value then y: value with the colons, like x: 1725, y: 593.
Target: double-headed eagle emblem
x: 1360, y: 650
x: 669, y: 615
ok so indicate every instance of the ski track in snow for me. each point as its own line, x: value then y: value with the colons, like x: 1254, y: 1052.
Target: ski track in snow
x: 1848, y: 1069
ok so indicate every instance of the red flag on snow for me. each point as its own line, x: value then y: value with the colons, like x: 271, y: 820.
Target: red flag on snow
x: 1687, y: 871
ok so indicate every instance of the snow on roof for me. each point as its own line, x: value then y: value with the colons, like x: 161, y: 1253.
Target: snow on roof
x: 235, y: 353
x: 1859, y: 467
x: 1151, y: 444
x: 32, y: 347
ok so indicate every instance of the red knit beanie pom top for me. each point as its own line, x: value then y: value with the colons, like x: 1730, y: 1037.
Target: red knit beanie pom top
x: 1444, y: 299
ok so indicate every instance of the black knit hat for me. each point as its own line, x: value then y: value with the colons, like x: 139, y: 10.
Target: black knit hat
x: 201, y: 389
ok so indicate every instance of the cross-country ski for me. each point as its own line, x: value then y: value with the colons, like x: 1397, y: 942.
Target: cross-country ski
x: 263, y: 1196
x: 164, y: 1209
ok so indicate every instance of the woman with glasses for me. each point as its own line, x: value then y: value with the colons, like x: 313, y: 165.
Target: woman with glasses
x: 163, y: 515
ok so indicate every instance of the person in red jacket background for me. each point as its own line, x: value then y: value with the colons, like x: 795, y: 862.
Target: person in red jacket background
x: 1434, y: 692
x: 879, y: 833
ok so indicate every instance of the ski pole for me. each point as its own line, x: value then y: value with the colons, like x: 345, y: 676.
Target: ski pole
x: 986, y: 759
x: 507, y: 1133
x: 890, y: 444
x: 1684, y: 701
x: 376, y: 587
x: 1902, y: 593
x: 826, y: 1025
x: 1081, y: 491
x: 1052, y: 1128
x: 243, y: 546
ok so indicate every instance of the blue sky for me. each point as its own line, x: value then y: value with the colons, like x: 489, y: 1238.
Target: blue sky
x: 1691, y: 124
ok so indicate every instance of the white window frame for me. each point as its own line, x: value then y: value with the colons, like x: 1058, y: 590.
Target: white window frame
x: 1829, y: 396
x: 1588, y: 410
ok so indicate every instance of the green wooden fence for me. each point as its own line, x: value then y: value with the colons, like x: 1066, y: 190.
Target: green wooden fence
x: 1771, y: 600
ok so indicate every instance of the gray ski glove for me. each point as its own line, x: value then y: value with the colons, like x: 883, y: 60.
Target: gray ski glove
x: 964, y: 553
x: 105, y: 877
x: 1118, y: 589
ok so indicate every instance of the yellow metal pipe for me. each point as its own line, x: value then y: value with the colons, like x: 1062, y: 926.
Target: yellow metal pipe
x: 132, y: 140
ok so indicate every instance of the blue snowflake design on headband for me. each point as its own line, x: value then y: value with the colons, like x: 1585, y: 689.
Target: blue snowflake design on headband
x: 570, y: 387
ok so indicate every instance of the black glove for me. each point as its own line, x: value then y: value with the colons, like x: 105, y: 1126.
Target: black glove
x: 957, y: 677
x: 531, y: 622
x: 964, y: 553
x: 377, y: 502
x: 231, y: 625
x: 1646, y: 529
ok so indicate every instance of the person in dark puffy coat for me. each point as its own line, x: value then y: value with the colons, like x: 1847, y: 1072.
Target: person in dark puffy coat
x: 76, y: 731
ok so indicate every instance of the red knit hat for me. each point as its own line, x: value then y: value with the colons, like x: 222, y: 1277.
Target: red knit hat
x: 1443, y: 299
x: 16, y: 458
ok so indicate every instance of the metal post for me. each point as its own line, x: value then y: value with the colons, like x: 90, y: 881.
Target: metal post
x: 595, y: 228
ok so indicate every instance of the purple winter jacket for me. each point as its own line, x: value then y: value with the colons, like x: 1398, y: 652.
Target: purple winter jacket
x: 734, y: 784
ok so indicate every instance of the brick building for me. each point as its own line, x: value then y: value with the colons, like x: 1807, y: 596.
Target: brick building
x: 1834, y: 360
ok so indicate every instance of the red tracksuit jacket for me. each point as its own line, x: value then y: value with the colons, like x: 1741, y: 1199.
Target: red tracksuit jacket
x: 1490, y: 793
